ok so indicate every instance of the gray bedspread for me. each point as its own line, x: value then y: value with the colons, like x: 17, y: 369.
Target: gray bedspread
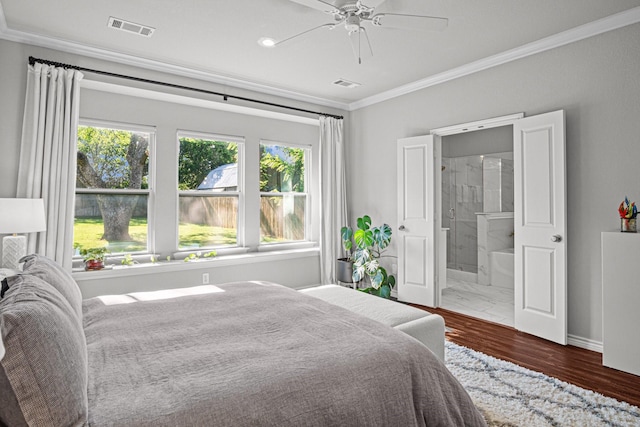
x: 259, y: 354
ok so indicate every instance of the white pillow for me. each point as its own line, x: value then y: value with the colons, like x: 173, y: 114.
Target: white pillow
x: 7, y: 272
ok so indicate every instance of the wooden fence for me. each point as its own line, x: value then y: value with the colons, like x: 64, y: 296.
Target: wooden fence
x: 282, y: 217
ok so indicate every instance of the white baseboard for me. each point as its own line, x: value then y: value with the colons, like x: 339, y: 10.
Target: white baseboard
x: 585, y: 343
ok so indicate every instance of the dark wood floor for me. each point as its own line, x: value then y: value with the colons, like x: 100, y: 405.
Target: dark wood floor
x: 567, y: 363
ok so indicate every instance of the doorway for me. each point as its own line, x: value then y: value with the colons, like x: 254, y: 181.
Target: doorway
x: 540, y: 220
x: 477, y: 213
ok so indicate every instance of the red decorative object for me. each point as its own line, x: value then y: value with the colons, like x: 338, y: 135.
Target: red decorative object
x: 93, y: 265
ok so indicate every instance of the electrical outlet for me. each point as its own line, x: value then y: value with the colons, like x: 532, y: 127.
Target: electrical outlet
x: 394, y: 268
x: 205, y: 278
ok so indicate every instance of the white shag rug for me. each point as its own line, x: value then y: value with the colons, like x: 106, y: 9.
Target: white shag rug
x: 510, y: 395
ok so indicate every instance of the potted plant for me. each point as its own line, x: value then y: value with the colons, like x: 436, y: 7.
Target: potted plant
x: 365, y: 247
x: 128, y: 260
x: 344, y: 266
x: 94, y: 258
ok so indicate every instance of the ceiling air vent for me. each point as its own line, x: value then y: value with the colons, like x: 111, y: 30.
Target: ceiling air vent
x: 130, y: 27
x: 346, y: 83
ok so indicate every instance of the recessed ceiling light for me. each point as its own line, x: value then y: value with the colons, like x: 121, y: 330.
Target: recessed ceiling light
x: 266, y: 42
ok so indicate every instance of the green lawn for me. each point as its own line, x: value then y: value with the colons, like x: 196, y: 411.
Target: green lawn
x: 197, y: 236
x: 87, y: 233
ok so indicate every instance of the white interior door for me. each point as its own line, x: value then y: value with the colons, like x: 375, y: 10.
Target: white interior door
x: 540, y: 226
x: 416, y: 220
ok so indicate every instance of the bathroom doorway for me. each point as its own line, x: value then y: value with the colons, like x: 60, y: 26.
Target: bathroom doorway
x: 477, y: 211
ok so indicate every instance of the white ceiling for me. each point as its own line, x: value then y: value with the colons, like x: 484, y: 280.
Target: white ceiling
x: 219, y: 38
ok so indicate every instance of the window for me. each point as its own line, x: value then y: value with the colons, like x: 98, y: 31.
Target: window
x: 168, y: 191
x: 113, y: 187
x: 283, y: 193
x: 209, y: 187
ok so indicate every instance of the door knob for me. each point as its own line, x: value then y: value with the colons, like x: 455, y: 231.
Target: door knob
x: 401, y: 228
x: 556, y: 238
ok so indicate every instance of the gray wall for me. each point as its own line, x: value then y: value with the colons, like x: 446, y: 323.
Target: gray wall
x: 596, y: 81
x: 479, y: 142
x: 297, y: 272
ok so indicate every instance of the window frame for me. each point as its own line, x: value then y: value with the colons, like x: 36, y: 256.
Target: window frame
x: 308, y: 150
x: 149, y: 192
x: 240, y: 192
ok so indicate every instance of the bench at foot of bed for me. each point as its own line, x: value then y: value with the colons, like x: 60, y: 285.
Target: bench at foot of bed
x: 428, y: 328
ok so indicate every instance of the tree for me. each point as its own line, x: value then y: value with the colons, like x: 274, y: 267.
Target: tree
x: 281, y: 169
x: 199, y: 156
x: 113, y: 159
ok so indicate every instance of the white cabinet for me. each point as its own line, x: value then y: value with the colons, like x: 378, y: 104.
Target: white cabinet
x: 621, y: 301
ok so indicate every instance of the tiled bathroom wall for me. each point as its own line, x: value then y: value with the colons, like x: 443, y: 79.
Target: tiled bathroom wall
x: 495, y: 232
x: 472, y: 185
x: 497, y: 177
x: 462, y: 192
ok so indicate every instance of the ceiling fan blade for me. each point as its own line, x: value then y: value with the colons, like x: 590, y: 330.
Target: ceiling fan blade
x: 329, y: 26
x: 410, y: 22
x: 360, y: 44
x: 321, y: 5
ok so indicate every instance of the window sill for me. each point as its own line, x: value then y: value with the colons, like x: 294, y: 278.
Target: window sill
x: 275, y: 254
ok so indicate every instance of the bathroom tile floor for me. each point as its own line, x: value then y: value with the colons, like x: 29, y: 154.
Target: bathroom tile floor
x: 491, y: 303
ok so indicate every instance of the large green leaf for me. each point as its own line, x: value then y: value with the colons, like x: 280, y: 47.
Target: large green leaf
x: 346, y: 233
x: 377, y: 278
x: 364, y: 223
x: 358, y: 273
x: 363, y: 238
x: 361, y: 256
x: 372, y: 266
x: 391, y: 280
x: 382, y: 235
x: 384, y: 291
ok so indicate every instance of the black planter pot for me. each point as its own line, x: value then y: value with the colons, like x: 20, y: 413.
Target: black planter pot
x: 344, y: 270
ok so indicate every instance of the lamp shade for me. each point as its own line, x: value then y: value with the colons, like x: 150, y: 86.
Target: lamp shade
x: 22, y: 216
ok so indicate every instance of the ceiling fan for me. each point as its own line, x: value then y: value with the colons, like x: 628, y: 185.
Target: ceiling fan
x: 353, y: 15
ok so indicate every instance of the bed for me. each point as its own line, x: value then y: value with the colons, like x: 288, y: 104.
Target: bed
x: 237, y: 354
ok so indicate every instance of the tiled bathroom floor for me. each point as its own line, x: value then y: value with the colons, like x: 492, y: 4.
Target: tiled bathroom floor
x: 484, y: 302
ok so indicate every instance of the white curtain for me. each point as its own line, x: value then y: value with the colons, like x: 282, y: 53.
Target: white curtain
x: 47, y: 167
x: 334, y: 196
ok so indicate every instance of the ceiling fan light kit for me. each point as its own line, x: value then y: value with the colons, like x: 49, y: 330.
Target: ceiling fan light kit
x: 266, y: 42
x: 353, y: 14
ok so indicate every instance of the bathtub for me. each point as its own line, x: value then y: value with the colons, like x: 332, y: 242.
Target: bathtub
x: 502, y: 263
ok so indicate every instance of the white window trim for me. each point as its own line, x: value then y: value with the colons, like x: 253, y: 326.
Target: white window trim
x: 150, y: 192
x: 308, y: 150
x: 240, y: 193
x: 177, y: 265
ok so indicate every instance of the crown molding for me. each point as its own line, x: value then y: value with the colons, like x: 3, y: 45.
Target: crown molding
x: 609, y: 23
x: 9, y: 34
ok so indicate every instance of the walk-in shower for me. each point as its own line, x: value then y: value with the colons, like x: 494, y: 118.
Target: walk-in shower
x: 472, y: 185
x: 461, y: 199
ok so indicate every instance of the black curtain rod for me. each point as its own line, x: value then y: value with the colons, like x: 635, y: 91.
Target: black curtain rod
x: 33, y: 60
